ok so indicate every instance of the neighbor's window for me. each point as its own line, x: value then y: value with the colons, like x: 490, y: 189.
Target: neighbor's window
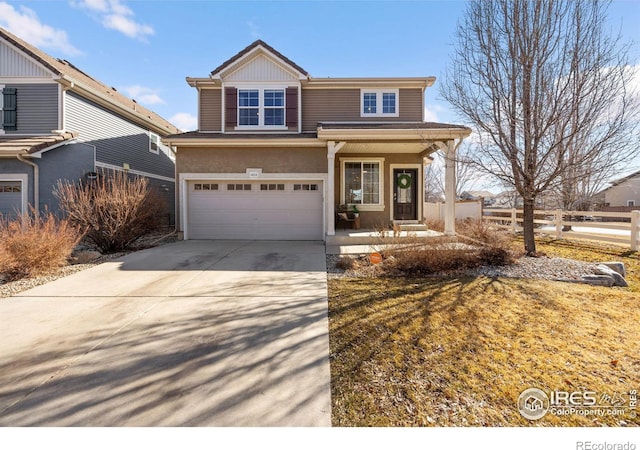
x: 379, y: 103
x: 362, y: 182
x: 261, y: 107
x: 154, y: 143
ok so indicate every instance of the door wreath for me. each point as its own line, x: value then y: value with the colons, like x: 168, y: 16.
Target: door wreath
x: 404, y: 181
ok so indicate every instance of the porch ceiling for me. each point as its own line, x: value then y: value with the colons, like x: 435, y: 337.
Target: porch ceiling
x: 387, y: 147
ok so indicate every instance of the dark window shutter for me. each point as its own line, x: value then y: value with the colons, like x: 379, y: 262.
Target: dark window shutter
x: 231, y: 106
x: 10, y: 109
x: 292, y: 106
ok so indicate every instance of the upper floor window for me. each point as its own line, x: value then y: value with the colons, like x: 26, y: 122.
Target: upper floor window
x: 261, y: 107
x: 154, y: 143
x: 379, y: 103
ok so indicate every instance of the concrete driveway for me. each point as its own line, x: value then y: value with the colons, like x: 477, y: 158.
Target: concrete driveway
x: 195, y: 333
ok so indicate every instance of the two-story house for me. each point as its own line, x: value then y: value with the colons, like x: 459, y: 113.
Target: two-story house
x: 277, y: 152
x: 57, y: 123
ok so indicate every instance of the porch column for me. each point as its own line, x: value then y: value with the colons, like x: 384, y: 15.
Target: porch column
x: 450, y: 189
x: 332, y: 148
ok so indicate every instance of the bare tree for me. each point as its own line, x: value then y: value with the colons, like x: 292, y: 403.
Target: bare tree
x: 547, y: 91
x: 467, y: 176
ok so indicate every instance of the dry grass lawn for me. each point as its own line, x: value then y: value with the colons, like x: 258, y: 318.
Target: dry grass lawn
x: 458, y: 352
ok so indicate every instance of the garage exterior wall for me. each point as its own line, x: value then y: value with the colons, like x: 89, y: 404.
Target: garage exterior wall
x: 205, y: 161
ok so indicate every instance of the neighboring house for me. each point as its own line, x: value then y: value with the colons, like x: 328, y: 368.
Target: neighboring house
x: 60, y: 123
x: 488, y: 198
x: 624, y: 192
x: 277, y: 152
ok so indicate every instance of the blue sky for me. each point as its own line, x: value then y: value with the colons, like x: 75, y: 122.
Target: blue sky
x: 146, y: 48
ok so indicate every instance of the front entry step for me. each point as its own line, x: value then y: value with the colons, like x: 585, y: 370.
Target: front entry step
x: 405, y: 226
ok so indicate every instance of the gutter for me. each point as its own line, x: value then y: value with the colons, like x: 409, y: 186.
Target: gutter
x: 36, y: 182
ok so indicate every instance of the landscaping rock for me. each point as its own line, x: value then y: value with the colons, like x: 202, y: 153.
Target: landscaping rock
x: 598, y: 280
x: 617, y: 266
x: 618, y: 280
x: 85, y: 257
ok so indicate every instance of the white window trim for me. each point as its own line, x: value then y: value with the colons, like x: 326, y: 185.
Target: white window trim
x: 379, y: 96
x: 2, y: 86
x: 157, y: 142
x: 24, y: 189
x: 361, y: 206
x: 261, y: 108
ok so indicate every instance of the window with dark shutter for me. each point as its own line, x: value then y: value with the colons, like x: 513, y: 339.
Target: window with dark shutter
x: 231, y: 106
x: 9, y: 109
x: 292, y: 107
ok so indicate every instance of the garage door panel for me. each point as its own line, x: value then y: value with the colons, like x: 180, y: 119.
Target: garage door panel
x: 10, y: 198
x: 255, y: 214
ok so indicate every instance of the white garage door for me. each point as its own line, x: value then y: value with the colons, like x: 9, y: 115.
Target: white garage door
x: 10, y: 198
x: 274, y: 210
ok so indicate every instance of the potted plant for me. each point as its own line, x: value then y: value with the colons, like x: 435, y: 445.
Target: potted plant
x: 355, y: 211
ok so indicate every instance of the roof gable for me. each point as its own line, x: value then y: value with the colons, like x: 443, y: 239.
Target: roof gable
x: 79, y: 81
x: 259, y: 62
x: 18, y: 64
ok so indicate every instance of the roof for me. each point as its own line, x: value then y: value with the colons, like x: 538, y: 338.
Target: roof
x: 248, y: 49
x: 240, y: 136
x: 14, y: 145
x: 388, y: 126
x: 619, y: 181
x: 64, y: 68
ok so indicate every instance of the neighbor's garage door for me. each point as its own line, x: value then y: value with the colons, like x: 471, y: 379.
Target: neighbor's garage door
x: 277, y: 210
x: 10, y: 198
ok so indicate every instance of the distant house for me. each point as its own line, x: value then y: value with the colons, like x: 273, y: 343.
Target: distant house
x: 488, y: 198
x: 624, y: 192
x: 279, y: 153
x: 60, y: 123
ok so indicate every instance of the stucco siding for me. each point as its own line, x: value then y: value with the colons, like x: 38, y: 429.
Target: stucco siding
x: 37, y: 108
x: 210, y: 118
x: 343, y: 105
x: 117, y: 140
x: 237, y: 160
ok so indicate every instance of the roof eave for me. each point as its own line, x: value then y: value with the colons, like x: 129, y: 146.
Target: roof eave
x: 394, y: 135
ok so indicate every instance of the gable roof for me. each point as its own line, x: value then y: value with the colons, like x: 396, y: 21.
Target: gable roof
x: 79, y: 81
x: 259, y: 43
x: 620, y: 181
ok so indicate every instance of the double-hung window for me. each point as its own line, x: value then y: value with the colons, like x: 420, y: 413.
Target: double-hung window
x: 362, y: 183
x: 379, y: 103
x: 261, y: 107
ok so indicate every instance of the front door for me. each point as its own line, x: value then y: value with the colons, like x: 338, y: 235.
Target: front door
x: 404, y: 194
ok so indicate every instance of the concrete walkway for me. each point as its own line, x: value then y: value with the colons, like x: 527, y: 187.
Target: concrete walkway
x: 195, y: 333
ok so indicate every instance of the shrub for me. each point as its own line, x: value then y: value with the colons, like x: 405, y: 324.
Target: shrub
x: 477, y: 245
x: 35, y: 245
x: 115, y: 210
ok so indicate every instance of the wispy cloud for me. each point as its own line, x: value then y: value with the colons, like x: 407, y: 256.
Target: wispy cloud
x: 184, y: 121
x: 26, y: 24
x: 144, y: 95
x: 431, y: 112
x: 253, y: 29
x: 116, y: 15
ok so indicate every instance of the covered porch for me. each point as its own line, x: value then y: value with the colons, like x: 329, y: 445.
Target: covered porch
x: 376, y: 171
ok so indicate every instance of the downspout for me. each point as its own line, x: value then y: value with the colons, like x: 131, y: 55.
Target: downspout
x: 36, y: 182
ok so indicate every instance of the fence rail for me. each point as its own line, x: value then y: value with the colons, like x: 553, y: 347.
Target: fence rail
x: 556, y: 221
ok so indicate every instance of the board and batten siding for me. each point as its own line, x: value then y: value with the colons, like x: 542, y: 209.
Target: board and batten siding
x: 117, y: 140
x: 15, y: 64
x: 210, y: 117
x: 343, y: 105
x: 37, y: 108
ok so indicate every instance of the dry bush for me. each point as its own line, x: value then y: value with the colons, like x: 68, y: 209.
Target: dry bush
x: 477, y: 245
x: 345, y: 263
x: 35, y: 245
x: 115, y: 210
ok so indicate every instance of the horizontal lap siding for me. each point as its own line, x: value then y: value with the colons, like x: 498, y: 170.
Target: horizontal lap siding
x: 210, y: 109
x: 343, y: 105
x: 37, y: 107
x: 117, y: 140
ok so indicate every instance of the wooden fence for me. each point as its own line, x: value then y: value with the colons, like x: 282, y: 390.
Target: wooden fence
x: 553, y: 222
